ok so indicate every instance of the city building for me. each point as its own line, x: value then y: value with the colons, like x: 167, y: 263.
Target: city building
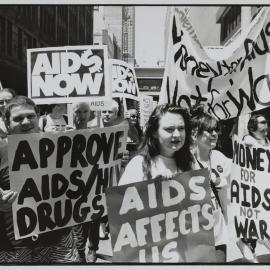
x: 149, y: 81
x: 33, y: 26
x: 106, y: 30
x: 128, y: 34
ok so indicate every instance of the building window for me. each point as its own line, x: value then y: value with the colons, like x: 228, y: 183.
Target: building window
x: 20, y: 44
x: 3, y: 34
x: 230, y: 22
x: 9, y: 38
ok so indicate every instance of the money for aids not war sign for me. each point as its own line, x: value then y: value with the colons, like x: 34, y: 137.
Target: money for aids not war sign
x: 162, y: 220
x: 61, y: 177
x: 236, y: 82
x: 250, y: 191
x: 69, y: 74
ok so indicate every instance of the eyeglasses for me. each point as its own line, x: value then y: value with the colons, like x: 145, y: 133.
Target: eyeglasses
x: 133, y: 116
x: 4, y: 101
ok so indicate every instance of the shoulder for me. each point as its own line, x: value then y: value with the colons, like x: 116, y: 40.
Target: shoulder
x: 133, y: 172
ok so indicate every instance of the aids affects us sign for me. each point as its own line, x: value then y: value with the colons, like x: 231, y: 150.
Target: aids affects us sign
x: 69, y: 74
x: 250, y: 192
x: 61, y: 177
x: 124, y: 81
x: 162, y: 220
x: 235, y: 82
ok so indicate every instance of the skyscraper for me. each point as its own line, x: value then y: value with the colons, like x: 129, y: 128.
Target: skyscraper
x: 128, y: 34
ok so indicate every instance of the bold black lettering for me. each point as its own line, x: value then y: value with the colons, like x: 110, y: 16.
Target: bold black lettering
x: 24, y: 227
x: 44, y: 211
x: 45, y: 187
x: 61, y: 219
x: 251, y: 159
x: 241, y: 231
x: 242, y: 95
x: 263, y: 229
x: 78, y: 147
x: 268, y: 157
x: 63, y: 146
x: 266, y: 195
x: 57, y: 190
x: 235, y: 152
x: 91, y: 180
x: 245, y: 188
x: 97, y: 206
x: 80, y: 214
x: 102, y: 180
x: 259, y: 159
x: 265, y: 47
x: 252, y: 230
x: 75, y: 179
x: 176, y: 38
x: 23, y: 156
x: 242, y: 156
x: 107, y: 146
x: 255, y: 197
x: 93, y: 140
x: 29, y: 190
x: 117, y: 144
x: 235, y: 191
x: 46, y: 148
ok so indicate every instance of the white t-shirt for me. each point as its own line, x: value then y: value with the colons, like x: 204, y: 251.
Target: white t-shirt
x: 160, y: 165
x: 52, y: 124
x: 220, y: 173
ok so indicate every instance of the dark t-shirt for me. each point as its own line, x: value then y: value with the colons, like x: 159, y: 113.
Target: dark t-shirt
x: 7, y: 238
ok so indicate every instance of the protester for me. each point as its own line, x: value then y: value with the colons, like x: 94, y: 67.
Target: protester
x: 257, y: 137
x: 21, y: 117
x: 6, y: 94
x: 56, y: 120
x: 165, y: 148
x: 205, y: 130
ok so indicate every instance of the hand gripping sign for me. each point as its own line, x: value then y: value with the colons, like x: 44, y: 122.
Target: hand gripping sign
x: 69, y: 74
x: 162, y: 220
x: 61, y: 177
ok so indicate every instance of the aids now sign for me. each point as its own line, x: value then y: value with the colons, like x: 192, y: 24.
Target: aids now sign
x: 123, y: 79
x: 234, y: 81
x: 61, y: 177
x: 249, y: 191
x: 69, y: 74
x: 162, y: 220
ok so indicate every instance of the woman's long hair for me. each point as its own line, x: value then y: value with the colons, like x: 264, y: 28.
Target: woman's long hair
x: 150, y: 144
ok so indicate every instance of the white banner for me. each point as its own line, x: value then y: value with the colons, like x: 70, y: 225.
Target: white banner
x: 69, y: 74
x: 61, y: 177
x: 229, y: 85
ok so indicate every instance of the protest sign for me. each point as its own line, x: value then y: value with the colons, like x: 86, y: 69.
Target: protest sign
x: 61, y: 177
x: 146, y: 108
x: 124, y: 81
x: 249, y: 191
x: 69, y: 74
x: 234, y: 84
x: 162, y: 220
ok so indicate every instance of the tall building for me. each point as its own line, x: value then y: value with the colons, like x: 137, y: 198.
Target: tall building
x: 108, y: 29
x: 32, y: 26
x: 128, y: 34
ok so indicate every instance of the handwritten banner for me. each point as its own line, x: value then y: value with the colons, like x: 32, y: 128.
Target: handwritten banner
x: 69, y: 74
x: 228, y: 86
x: 124, y: 81
x: 162, y: 220
x: 250, y: 192
x: 61, y: 177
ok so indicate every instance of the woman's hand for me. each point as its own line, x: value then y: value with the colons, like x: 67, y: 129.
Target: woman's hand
x: 7, y: 197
